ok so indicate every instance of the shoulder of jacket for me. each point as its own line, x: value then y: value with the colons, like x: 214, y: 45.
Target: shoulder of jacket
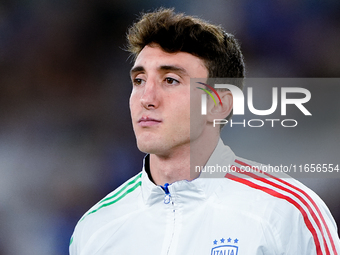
x: 117, y: 195
x: 284, y: 201
x: 106, y: 209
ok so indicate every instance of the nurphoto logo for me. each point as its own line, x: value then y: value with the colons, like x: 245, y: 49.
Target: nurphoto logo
x: 239, y: 105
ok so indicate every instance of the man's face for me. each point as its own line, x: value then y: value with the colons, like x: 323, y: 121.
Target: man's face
x: 160, y: 99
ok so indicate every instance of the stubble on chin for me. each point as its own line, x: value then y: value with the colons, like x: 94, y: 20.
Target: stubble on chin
x: 148, y: 145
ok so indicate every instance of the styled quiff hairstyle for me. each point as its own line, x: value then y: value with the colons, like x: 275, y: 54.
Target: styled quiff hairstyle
x: 177, y: 32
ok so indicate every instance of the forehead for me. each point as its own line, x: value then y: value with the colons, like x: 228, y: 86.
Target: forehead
x: 153, y: 56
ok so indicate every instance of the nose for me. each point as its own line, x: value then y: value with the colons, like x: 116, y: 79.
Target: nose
x: 150, y: 96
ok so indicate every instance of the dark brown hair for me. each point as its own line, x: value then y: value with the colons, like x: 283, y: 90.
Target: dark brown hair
x: 177, y: 32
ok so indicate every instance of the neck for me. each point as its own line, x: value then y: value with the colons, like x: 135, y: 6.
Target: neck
x: 180, y: 164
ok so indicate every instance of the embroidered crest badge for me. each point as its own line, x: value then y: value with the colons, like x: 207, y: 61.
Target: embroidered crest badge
x: 225, y: 247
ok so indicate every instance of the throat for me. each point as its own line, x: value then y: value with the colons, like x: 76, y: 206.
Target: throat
x: 169, y: 170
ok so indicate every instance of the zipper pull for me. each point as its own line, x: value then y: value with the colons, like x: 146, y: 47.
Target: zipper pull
x: 167, y: 193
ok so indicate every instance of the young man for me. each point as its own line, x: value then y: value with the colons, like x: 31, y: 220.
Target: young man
x: 170, y: 209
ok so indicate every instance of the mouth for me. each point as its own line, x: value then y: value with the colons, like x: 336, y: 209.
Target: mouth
x: 148, y: 122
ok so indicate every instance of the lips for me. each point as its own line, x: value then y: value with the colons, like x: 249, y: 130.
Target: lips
x: 146, y: 121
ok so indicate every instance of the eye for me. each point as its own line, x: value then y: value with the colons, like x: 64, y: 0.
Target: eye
x: 171, y: 81
x: 137, y: 81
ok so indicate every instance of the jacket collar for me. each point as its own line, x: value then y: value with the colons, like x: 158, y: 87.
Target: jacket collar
x: 195, y: 190
x: 222, y: 156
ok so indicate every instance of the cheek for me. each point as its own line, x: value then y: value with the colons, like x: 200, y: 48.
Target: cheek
x: 132, y: 101
x: 176, y: 109
x: 197, y: 120
x: 196, y: 105
x: 183, y: 107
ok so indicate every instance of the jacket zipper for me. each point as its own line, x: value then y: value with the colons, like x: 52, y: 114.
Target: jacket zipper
x: 167, y: 197
x: 167, y: 200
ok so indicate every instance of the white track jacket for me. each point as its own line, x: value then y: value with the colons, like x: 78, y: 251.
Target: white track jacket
x: 209, y: 216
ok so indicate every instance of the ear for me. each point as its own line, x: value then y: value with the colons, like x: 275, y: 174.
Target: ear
x: 220, y: 111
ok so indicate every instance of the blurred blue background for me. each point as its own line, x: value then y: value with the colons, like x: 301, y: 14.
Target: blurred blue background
x: 65, y: 134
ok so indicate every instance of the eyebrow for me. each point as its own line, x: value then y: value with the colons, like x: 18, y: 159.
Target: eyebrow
x: 136, y: 69
x: 173, y: 68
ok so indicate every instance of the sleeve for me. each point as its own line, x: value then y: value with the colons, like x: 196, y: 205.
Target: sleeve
x: 313, y: 231
x: 72, y: 247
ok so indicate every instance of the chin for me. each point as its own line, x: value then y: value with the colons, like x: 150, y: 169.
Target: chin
x: 148, y: 146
